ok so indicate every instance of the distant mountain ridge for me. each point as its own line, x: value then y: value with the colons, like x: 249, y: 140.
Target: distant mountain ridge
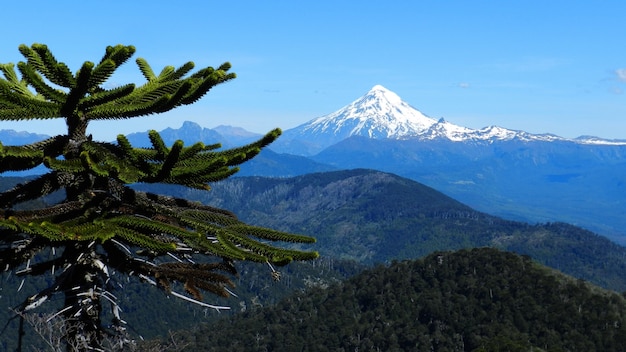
x: 382, y: 114
x: 12, y: 137
x: 513, y: 174
x: 379, y: 114
x: 191, y: 132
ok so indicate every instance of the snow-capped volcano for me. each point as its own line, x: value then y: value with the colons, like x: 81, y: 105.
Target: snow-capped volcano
x: 378, y: 114
x: 382, y: 114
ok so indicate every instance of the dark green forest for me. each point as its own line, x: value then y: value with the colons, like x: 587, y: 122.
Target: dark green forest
x: 150, y: 313
x: 469, y: 300
x: 375, y: 217
x: 363, y: 218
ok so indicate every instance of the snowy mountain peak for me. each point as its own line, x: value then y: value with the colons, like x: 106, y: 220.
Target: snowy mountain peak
x: 380, y: 113
x: 379, y: 92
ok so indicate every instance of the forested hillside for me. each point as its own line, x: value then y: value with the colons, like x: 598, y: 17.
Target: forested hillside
x: 374, y: 217
x: 150, y: 313
x: 144, y: 305
x: 469, y: 300
x: 362, y: 215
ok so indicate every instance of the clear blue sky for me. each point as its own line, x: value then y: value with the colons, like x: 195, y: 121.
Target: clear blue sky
x: 538, y: 66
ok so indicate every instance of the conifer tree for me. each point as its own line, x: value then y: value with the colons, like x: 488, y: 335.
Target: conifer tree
x: 102, y: 225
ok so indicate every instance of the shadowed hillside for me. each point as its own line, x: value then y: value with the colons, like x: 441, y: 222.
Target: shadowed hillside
x: 470, y: 300
x: 371, y: 216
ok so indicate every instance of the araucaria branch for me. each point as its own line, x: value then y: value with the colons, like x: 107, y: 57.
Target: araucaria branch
x: 101, y: 224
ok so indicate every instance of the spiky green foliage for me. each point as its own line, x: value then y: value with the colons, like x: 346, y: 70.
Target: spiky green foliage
x: 103, y: 224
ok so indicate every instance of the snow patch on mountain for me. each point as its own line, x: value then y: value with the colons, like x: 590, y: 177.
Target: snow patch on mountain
x: 599, y: 141
x: 455, y: 133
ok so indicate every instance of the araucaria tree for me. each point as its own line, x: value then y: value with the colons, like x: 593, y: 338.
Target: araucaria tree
x: 102, y: 225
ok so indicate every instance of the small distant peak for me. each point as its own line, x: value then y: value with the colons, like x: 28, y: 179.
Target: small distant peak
x: 441, y: 120
x: 191, y: 124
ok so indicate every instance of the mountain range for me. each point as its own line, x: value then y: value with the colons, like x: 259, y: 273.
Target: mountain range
x: 382, y: 114
x: 359, y: 216
x: 508, y: 173
x: 373, y: 217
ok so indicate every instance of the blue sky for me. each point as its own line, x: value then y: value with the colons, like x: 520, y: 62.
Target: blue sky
x: 538, y: 66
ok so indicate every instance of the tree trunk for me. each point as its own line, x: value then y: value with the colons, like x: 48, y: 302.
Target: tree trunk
x: 82, y: 290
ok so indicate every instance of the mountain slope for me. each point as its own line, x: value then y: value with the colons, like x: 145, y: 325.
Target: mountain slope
x: 540, y: 181
x: 378, y: 114
x: 382, y: 114
x: 513, y: 174
x: 372, y: 216
x: 470, y: 300
x: 272, y: 164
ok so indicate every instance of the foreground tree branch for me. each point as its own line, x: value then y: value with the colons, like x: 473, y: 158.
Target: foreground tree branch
x: 102, y: 225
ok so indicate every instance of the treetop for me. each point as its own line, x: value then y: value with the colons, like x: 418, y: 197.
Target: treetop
x: 48, y: 89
